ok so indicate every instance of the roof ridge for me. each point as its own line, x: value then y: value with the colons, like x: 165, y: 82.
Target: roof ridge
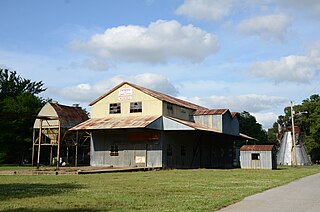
x: 155, y: 94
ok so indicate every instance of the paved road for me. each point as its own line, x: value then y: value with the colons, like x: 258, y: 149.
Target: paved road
x: 301, y: 195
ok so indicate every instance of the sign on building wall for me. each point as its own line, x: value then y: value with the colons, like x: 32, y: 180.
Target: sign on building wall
x: 125, y: 94
x: 140, y: 159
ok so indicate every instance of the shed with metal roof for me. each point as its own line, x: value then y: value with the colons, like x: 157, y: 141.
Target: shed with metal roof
x: 258, y: 157
x: 51, y: 132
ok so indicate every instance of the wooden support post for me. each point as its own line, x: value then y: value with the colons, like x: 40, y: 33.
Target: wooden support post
x: 293, y: 151
x: 39, y: 144
x: 76, y: 156
x: 58, y: 147
x: 33, y: 143
x: 51, y: 162
x: 67, y: 154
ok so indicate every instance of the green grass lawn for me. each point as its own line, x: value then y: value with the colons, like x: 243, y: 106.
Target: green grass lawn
x: 166, y: 190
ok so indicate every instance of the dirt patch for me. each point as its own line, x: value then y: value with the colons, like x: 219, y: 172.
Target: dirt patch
x: 73, y: 170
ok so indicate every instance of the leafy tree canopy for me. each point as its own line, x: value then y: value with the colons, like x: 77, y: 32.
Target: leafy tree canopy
x: 18, y: 107
x: 250, y: 126
x: 12, y: 84
x: 307, y: 117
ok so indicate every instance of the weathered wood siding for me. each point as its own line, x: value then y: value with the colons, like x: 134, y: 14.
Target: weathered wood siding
x: 266, y: 160
x: 128, y: 150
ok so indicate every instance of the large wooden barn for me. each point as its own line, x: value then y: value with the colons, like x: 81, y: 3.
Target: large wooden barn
x: 132, y: 126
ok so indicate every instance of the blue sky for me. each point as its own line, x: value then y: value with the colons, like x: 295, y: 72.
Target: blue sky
x: 245, y: 55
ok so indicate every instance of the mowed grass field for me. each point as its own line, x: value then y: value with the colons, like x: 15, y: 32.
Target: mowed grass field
x: 165, y: 190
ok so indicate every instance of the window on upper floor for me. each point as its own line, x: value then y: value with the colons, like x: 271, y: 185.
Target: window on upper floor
x: 135, y: 107
x: 169, y: 106
x: 114, y: 108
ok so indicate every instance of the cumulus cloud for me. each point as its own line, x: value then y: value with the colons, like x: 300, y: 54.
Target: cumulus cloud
x: 87, y: 92
x: 205, y: 9
x: 292, y: 68
x: 266, y: 119
x: 310, y: 7
x: 160, y: 42
x: 250, y: 102
x: 269, y: 27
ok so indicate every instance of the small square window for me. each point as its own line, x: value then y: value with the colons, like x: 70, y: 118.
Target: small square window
x: 135, y: 107
x: 169, y: 106
x: 114, y: 108
x: 114, y: 150
x: 255, y: 156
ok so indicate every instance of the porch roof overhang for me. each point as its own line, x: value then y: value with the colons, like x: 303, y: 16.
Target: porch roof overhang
x: 151, y: 122
x: 115, y: 123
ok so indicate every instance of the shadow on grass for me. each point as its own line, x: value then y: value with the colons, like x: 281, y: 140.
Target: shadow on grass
x: 23, y: 190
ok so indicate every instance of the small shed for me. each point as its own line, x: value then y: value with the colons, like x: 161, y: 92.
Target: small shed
x: 258, y: 157
x: 51, y: 129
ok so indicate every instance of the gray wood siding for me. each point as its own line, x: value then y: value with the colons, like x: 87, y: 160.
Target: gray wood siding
x: 127, y: 150
x: 265, y: 161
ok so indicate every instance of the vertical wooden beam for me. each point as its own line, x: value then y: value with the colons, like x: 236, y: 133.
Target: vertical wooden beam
x: 39, y: 144
x: 58, y: 148
x: 76, y: 156
x: 51, y: 162
x: 33, y: 143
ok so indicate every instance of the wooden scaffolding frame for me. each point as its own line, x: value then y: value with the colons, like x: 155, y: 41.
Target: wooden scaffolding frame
x: 54, y: 131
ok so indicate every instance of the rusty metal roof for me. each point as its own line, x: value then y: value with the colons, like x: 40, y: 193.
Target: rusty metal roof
x: 116, y: 123
x: 69, y: 115
x: 211, y: 112
x: 155, y: 94
x: 234, y: 114
x: 256, y: 148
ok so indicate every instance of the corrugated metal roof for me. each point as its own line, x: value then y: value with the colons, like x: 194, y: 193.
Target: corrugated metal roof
x: 234, y: 114
x: 155, y: 94
x: 211, y: 112
x: 69, y: 116
x: 116, y: 123
x: 256, y: 148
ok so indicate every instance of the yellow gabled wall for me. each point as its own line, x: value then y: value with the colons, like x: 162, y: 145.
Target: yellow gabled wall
x: 150, y: 105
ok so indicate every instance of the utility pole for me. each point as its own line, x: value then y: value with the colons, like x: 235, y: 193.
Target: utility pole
x: 293, y: 150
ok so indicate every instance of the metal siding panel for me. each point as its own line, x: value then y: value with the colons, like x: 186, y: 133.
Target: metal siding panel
x: 169, y: 124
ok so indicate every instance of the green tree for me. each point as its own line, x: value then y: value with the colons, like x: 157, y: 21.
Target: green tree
x: 18, y: 107
x: 249, y: 126
x: 307, y: 117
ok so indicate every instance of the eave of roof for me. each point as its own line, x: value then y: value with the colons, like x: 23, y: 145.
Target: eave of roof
x: 155, y: 94
x: 211, y: 112
x: 256, y: 148
x: 116, y: 123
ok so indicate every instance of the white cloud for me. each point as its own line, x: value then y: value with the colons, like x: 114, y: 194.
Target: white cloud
x: 86, y: 92
x: 310, y: 7
x: 205, y: 9
x: 160, y: 42
x: 269, y: 27
x: 293, y: 68
x: 249, y: 102
x: 266, y: 119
